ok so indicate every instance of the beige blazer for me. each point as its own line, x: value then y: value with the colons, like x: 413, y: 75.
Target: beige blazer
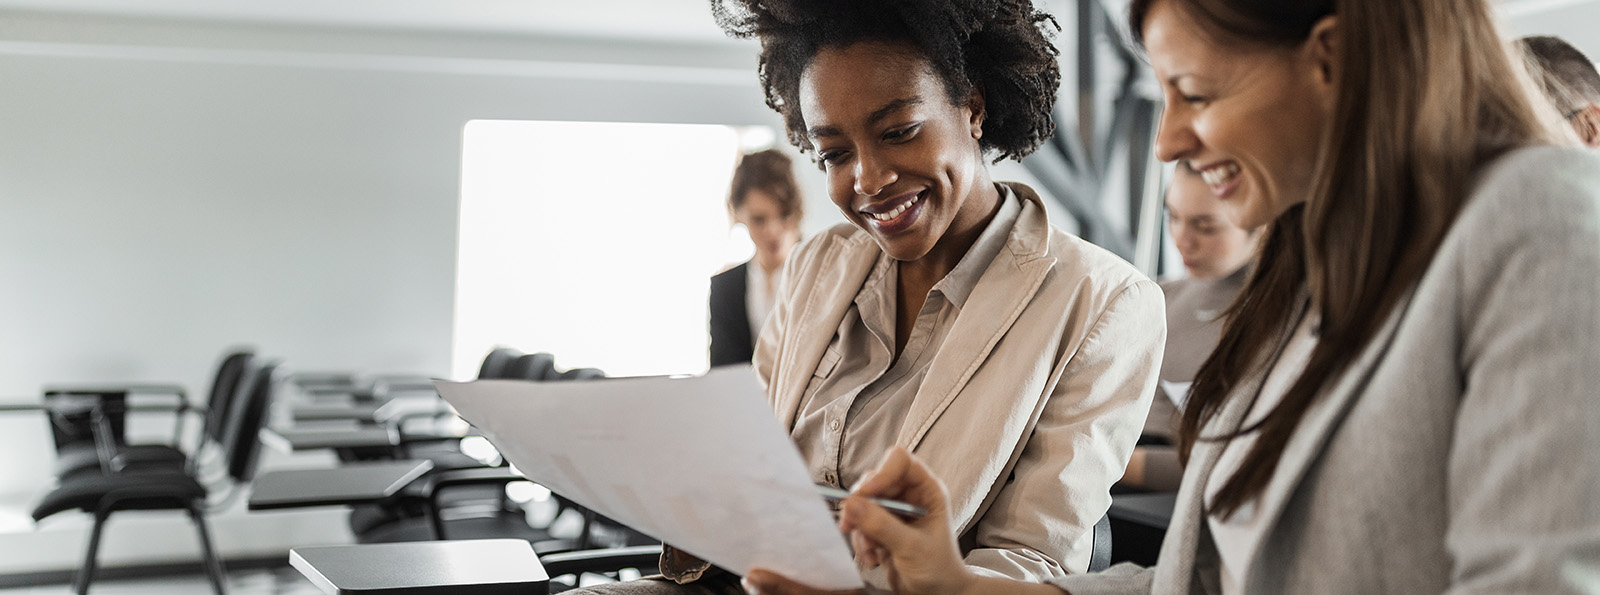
x: 1460, y: 453
x: 1032, y: 405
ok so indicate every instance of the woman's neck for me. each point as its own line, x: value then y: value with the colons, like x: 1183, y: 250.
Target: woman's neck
x: 974, y: 217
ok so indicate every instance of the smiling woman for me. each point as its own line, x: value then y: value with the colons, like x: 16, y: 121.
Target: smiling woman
x: 947, y: 315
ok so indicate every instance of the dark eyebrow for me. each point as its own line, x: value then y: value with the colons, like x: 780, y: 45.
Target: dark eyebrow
x: 892, y: 107
x: 876, y: 116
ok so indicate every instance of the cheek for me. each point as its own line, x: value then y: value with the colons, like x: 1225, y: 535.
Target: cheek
x: 841, y: 190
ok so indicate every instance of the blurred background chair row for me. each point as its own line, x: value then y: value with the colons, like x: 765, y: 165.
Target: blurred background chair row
x: 467, y: 491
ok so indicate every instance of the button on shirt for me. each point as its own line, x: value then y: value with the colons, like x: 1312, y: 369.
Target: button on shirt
x: 857, y: 402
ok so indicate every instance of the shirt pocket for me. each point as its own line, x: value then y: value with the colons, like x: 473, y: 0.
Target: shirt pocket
x: 825, y: 367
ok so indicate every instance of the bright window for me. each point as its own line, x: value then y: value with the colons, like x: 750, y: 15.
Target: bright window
x: 593, y: 241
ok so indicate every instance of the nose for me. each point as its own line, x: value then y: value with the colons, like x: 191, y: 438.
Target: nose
x: 1175, y: 137
x: 1184, y: 241
x: 873, y: 174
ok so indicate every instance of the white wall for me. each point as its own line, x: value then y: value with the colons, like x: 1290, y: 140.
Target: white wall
x: 168, y: 189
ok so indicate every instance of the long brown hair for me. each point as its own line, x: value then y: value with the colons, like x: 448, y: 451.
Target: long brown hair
x: 1427, y: 94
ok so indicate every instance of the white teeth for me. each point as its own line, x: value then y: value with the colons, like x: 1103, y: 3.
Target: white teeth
x: 1219, y: 175
x: 897, y: 210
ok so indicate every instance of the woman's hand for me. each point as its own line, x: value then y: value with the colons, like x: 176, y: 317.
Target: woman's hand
x: 920, y: 554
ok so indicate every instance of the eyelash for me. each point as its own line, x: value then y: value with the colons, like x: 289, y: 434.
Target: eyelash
x: 897, y: 135
x: 901, y: 133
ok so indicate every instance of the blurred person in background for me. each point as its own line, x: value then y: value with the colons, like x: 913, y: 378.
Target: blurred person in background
x: 1570, y: 83
x: 1216, y: 257
x: 766, y: 200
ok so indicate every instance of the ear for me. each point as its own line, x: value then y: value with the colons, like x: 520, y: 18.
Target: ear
x: 1324, y: 56
x: 975, y: 105
x: 1587, y: 123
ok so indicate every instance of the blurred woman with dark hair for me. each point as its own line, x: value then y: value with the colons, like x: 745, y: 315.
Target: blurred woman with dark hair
x: 766, y: 200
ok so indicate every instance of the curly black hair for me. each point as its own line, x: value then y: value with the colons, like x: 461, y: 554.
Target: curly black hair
x: 1001, y: 47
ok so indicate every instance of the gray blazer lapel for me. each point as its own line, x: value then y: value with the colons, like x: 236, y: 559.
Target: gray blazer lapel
x: 997, y: 300
x: 1308, y: 439
x: 829, y: 298
x: 1187, y: 544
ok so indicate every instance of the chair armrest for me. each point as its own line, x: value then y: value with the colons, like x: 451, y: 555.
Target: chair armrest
x: 644, y: 557
x: 435, y: 483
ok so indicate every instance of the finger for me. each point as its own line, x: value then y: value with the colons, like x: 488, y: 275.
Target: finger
x: 867, y: 550
x: 877, y: 524
x: 762, y: 582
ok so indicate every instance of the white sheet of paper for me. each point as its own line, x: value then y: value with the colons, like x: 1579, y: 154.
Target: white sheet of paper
x: 700, y: 463
x: 1177, y: 392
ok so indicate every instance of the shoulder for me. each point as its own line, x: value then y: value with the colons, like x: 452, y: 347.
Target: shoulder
x: 1532, y: 213
x: 732, y: 275
x: 1175, y: 286
x: 1088, y: 267
x: 1533, y: 192
x: 827, y: 246
x: 1076, y: 260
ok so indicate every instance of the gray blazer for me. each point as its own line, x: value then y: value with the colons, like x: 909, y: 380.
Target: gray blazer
x: 1460, y: 452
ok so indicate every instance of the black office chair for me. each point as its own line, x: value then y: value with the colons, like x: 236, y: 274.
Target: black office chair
x: 582, y: 374
x: 533, y: 366
x: 405, y: 517
x: 470, y: 503
x: 1100, y: 558
x: 160, y: 488
x: 77, y: 450
x: 495, y: 364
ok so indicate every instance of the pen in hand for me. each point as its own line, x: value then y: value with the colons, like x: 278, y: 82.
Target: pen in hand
x: 907, y: 511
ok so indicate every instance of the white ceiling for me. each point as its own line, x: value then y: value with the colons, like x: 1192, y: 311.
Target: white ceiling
x: 668, y: 20
x: 663, y: 20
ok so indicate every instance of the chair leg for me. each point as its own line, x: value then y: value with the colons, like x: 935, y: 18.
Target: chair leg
x: 80, y: 585
x: 213, y: 564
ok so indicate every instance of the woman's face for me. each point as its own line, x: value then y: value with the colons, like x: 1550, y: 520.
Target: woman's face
x: 902, y: 162
x: 1211, y: 245
x: 772, y: 233
x: 1249, y: 119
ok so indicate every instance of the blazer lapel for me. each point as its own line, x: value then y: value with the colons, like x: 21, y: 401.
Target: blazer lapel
x: 829, y: 297
x: 1187, y: 544
x: 1000, y: 296
x: 1309, y: 437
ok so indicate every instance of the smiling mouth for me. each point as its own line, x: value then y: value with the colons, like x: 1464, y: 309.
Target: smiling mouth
x: 897, y: 211
x: 1218, y: 176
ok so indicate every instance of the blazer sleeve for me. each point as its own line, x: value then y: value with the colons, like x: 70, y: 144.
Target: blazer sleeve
x: 1524, y: 467
x: 1060, y: 485
x: 729, y: 321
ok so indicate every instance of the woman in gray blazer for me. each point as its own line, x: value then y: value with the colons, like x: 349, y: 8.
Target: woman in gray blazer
x: 1404, y: 398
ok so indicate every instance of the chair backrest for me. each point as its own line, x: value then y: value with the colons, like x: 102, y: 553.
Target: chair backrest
x: 534, y: 366
x: 1100, y: 556
x: 497, y: 362
x: 249, y: 415
x: 224, y: 390
x: 583, y: 374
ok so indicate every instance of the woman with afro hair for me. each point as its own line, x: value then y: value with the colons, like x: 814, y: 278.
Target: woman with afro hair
x: 947, y: 317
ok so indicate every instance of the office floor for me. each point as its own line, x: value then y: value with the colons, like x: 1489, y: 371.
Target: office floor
x: 279, y: 581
